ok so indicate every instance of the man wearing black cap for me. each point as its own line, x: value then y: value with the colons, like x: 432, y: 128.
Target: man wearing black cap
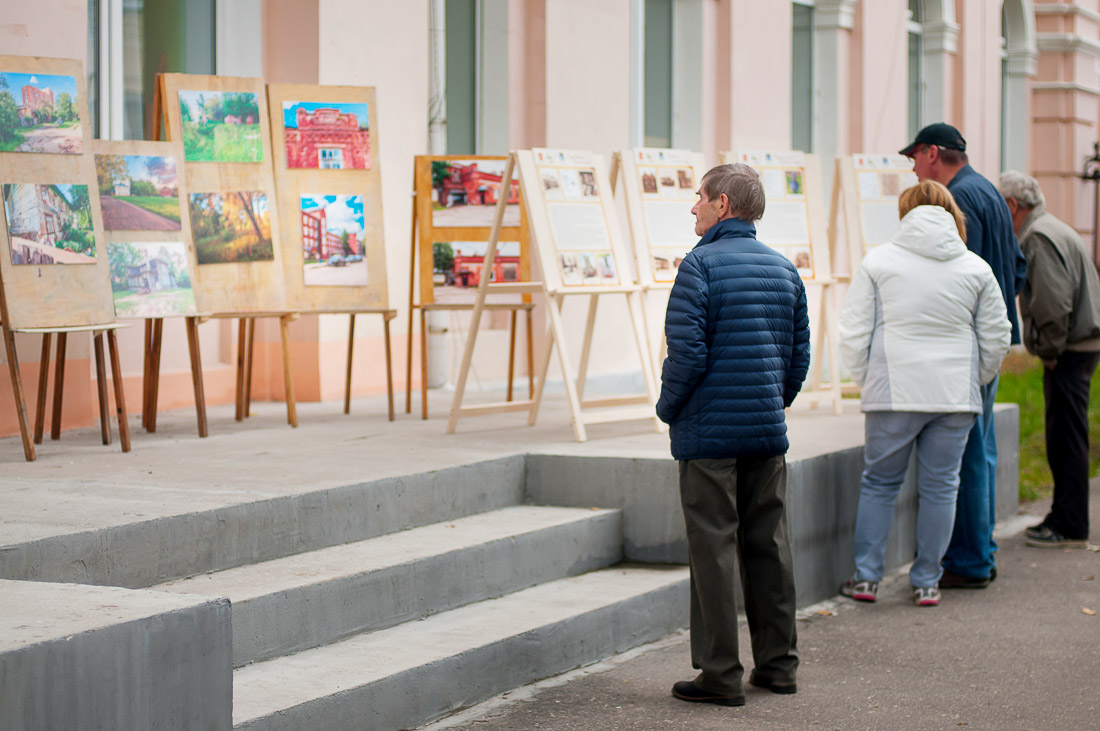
x: 939, y: 153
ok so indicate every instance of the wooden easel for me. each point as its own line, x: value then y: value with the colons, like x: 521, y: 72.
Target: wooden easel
x: 424, y: 234
x: 584, y: 412
x: 55, y: 298
x: 819, y: 279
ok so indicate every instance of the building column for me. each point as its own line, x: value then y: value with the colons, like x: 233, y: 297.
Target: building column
x: 1065, y: 106
x: 833, y: 24
x: 940, y: 40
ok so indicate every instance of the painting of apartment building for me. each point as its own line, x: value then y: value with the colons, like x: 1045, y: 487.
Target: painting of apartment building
x: 49, y: 224
x: 327, y: 136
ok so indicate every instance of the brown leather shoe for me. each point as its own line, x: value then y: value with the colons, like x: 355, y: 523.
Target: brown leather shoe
x: 687, y: 690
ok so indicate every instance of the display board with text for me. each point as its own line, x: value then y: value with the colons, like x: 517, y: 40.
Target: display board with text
x: 660, y: 190
x: 866, y: 199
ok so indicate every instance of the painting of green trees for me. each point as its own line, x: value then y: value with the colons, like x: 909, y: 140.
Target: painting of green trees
x: 220, y: 126
x: 231, y: 227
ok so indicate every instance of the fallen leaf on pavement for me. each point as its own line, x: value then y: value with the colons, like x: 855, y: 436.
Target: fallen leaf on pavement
x: 1090, y: 612
x: 1088, y: 578
x: 1093, y: 548
x: 826, y: 612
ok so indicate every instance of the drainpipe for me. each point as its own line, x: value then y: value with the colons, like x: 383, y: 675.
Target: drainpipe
x: 437, y: 145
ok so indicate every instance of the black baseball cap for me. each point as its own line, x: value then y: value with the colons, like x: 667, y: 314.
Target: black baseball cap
x: 940, y: 134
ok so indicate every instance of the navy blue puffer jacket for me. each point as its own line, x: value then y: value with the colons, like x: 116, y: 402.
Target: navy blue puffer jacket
x: 738, y: 337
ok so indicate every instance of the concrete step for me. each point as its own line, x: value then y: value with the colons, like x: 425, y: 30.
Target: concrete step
x: 251, y: 526
x: 417, y: 671
x: 294, y: 603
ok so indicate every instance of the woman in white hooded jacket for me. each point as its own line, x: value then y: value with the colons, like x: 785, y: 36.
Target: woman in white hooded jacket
x: 923, y: 326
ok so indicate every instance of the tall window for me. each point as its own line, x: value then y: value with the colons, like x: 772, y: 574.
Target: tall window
x: 802, y: 73
x: 658, y: 73
x: 916, y: 76
x: 462, y: 75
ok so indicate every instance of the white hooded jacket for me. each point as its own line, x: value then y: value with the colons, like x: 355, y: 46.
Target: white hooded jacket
x: 924, y: 324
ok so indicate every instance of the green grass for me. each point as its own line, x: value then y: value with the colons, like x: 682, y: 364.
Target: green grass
x: 222, y: 142
x: 228, y: 247
x: 1022, y: 383
x: 169, y: 207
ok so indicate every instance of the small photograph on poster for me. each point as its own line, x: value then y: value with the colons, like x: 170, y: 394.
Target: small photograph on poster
x: 570, y: 184
x: 457, y: 267
x: 868, y: 186
x: 666, y: 263
x: 231, y: 227
x: 590, y: 271
x: 686, y: 179
x: 589, y: 189
x: 466, y: 192
x: 802, y: 262
x: 49, y: 224
x: 327, y: 135
x: 649, y: 182
x: 333, y: 241
x: 138, y: 192
x: 570, y: 269
x: 606, y: 263
x: 891, y: 185
x: 220, y: 126
x: 666, y: 181
x: 150, y: 279
x: 551, y: 184
x: 794, y: 182
x: 775, y: 184
x: 39, y: 113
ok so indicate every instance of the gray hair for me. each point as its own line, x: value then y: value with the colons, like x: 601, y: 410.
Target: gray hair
x: 1024, y: 188
x: 742, y: 187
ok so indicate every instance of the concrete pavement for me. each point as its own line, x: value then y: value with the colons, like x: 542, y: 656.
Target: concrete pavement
x: 1022, y: 654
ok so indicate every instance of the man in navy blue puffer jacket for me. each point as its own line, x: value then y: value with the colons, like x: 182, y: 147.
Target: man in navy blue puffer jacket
x: 738, y: 351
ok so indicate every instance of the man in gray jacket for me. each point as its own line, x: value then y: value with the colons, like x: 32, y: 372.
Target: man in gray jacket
x: 1060, y: 304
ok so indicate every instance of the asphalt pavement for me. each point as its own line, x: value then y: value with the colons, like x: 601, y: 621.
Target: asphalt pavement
x: 1021, y: 654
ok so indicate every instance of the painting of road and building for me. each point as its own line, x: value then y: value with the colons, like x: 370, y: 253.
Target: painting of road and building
x: 39, y: 113
x: 220, y: 126
x: 465, y: 193
x: 150, y: 279
x: 49, y: 224
x: 333, y: 240
x: 457, y: 268
x: 327, y: 135
x: 138, y: 192
x: 231, y: 227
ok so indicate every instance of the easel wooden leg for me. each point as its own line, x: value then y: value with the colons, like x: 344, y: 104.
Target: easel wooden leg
x: 288, y: 379
x: 146, y: 378
x: 192, y: 324
x: 58, y: 385
x: 101, y: 389
x: 511, y: 352
x: 43, y: 382
x: 120, y: 395
x: 558, y: 326
x: 645, y: 354
x: 389, y: 365
x: 154, y: 372
x: 423, y: 364
x: 409, y: 363
x: 242, y: 351
x: 347, y: 377
x: 250, y: 360
x: 17, y: 393
x: 530, y: 354
x: 586, y: 347
x: 544, y: 368
x: 834, y: 349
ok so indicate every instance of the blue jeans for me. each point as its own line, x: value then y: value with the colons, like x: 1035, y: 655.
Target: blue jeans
x: 890, y: 436
x: 971, y: 550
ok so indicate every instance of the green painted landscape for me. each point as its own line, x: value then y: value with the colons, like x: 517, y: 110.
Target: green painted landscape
x: 220, y: 127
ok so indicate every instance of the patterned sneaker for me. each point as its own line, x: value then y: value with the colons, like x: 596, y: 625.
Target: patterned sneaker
x: 926, y: 596
x: 862, y: 591
x: 1048, y: 538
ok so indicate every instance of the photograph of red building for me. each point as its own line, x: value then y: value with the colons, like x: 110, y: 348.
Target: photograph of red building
x: 466, y: 190
x: 467, y: 270
x: 327, y: 136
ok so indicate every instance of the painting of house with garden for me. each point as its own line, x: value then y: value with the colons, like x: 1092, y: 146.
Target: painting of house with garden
x: 49, y: 224
x: 150, y: 279
x: 39, y: 113
x: 220, y: 126
x: 138, y: 192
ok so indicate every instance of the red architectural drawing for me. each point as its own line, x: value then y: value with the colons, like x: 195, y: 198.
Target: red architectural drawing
x: 467, y: 269
x: 327, y: 139
x: 467, y: 185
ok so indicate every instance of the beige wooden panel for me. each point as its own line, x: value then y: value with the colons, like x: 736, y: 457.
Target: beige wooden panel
x: 293, y: 183
x: 172, y: 150
x: 54, y: 295
x: 258, y: 286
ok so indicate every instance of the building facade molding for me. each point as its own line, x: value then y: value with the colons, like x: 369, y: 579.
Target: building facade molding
x: 1067, y: 9
x: 835, y: 14
x: 1064, y: 86
x: 1067, y: 43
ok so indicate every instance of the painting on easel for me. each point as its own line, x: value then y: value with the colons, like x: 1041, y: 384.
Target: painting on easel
x: 465, y: 193
x: 151, y: 279
x: 231, y: 227
x: 333, y: 240
x: 39, y: 113
x: 49, y: 224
